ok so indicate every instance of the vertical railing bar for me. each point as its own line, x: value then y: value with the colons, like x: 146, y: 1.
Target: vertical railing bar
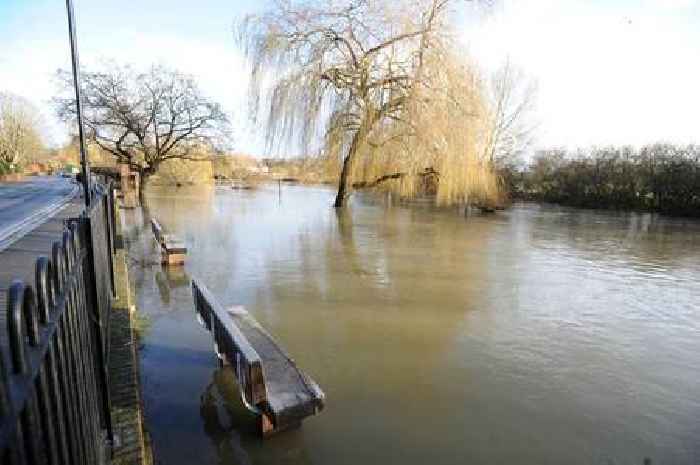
x: 69, y: 405
x: 56, y: 399
x: 85, y: 385
x: 63, y: 366
x: 30, y: 424
x: 85, y: 362
x: 101, y: 325
x: 50, y: 403
x: 88, y: 367
x: 20, y: 457
x: 78, y: 356
x: 109, y: 222
x: 86, y: 329
x: 83, y: 321
x: 46, y: 416
x: 64, y: 375
x: 77, y: 384
x: 71, y: 398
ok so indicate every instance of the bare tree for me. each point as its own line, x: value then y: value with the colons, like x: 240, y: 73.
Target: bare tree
x: 144, y: 119
x: 20, y: 138
x: 511, y: 126
x: 512, y: 97
x: 355, y: 71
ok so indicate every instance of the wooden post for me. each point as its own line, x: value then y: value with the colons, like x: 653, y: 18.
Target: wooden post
x: 267, y: 428
x: 129, y: 186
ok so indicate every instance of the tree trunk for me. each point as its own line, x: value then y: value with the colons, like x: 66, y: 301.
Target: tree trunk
x: 144, y: 177
x: 342, y: 184
x: 345, y: 172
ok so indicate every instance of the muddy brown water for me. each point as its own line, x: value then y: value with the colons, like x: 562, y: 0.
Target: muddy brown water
x: 539, y: 335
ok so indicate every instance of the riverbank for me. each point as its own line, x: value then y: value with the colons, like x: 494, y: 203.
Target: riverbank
x: 131, y: 444
x: 13, y: 177
x: 537, y: 199
x: 661, y: 178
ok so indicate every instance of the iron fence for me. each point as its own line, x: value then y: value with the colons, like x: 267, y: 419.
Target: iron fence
x: 54, y: 401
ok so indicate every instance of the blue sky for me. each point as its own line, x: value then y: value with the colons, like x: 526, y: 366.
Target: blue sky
x: 193, y: 36
x: 607, y: 71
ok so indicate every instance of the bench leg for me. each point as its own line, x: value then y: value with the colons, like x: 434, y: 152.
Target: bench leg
x: 267, y: 428
x: 172, y: 258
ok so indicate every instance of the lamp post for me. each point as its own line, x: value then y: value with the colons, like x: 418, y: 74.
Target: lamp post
x: 84, y: 162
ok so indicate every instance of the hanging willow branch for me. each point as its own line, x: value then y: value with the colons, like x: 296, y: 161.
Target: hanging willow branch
x: 378, y: 82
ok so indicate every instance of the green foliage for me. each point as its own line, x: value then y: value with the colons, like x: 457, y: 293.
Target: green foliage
x: 660, y: 177
x: 5, y: 167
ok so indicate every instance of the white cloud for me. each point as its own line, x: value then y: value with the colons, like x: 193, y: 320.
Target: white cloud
x: 605, y: 74
x: 28, y: 71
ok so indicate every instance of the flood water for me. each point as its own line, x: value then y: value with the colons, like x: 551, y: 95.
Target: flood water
x: 539, y: 335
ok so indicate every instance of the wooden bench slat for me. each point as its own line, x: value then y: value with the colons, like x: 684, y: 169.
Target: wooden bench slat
x: 173, y: 250
x: 281, y: 393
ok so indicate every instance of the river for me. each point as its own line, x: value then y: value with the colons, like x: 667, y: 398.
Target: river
x: 538, y: 335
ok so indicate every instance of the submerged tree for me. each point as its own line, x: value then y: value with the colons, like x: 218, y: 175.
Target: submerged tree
x: 20, y: 138
x: 438, y: 147
x: 378, y: 81
x: 144, y: 119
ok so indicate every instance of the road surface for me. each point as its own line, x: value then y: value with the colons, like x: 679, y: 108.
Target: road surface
x: 27, y: 204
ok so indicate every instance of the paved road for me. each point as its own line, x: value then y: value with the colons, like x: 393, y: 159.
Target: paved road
x: 25, y: 205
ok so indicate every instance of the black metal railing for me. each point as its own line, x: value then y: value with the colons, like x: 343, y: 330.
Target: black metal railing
x: 54, y: 402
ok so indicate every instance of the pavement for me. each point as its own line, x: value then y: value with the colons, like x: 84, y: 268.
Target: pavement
x: 27, y: 204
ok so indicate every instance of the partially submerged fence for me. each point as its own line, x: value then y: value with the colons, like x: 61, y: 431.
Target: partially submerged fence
x: 54, y: 402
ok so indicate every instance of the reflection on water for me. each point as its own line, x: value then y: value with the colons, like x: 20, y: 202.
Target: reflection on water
x: 537, y: 335
x: 222, y: 421
x: 168, y: 278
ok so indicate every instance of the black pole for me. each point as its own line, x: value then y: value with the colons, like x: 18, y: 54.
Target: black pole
x: 84, y: 162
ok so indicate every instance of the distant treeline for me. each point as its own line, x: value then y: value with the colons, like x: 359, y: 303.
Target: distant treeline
x: 661, y: 177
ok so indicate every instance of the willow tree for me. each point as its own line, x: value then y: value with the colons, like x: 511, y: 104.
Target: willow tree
x: 440, y: 145
x: 362, y: 74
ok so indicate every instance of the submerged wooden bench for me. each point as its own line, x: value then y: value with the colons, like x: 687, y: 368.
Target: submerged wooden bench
x: 271, y: 384
x: 173, y: 250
